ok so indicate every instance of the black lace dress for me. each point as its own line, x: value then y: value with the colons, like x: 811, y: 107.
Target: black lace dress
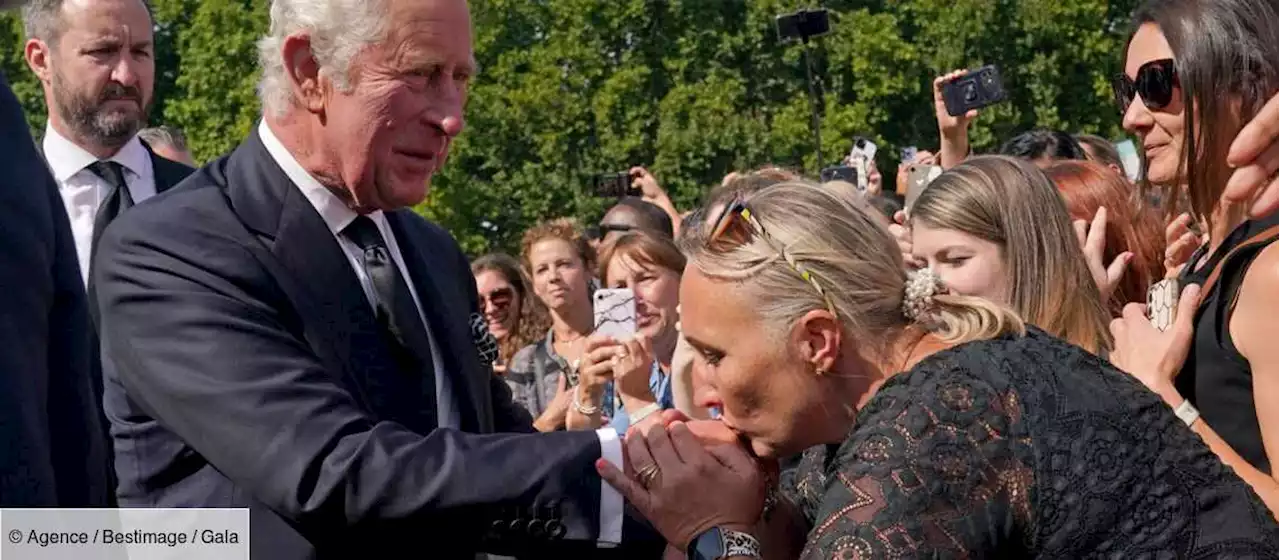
x: 1018, y: 447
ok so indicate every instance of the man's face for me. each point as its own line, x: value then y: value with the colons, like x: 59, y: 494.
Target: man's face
x: 392, y: 131
x: 102, y: 69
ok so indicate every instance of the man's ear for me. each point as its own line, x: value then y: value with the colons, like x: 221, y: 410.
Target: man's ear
x: 304, y: 73
x: 38, y: 55
x: 818, y: 336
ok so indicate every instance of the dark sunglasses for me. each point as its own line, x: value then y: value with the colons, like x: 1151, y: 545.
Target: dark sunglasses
x: 735, y: 225
x: 1155, y: 83
x: 498, y: 297
x: 598, y: 232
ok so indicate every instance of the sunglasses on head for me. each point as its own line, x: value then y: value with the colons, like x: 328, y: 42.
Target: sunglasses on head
x: 735, y: 225
x: 1155, y: 82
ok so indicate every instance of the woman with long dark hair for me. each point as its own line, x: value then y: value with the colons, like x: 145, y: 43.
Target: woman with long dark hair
x: 1195, y: 72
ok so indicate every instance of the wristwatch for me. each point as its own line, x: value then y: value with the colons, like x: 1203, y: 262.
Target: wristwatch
x: 717, y: 543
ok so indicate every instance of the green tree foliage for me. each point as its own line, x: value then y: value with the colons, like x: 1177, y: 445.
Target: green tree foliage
x: 692, y: 89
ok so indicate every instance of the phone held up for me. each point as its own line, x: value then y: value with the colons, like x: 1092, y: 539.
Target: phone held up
x: 918, y: 177
x: 974, y: 90
x: 613, y: 185
x: 615, y: 312
x: 855, y: 168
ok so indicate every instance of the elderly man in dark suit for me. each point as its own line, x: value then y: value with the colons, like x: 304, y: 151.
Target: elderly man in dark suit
x: 280, y: 332
x: 48, y: 418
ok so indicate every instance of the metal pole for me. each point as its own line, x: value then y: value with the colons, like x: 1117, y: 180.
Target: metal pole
x: 815, y: 102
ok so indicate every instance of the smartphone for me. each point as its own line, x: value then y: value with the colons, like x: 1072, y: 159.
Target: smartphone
x: 1162, y: 303
x: 918, y: 177
x: 613, y: 185
x: 909, y: 154
x: 844, y: 173
x: 862, y: 148
x: 615, y: 312
x: 974, y: 90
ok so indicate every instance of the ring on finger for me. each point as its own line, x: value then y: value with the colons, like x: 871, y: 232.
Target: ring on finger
x: 648, y: 474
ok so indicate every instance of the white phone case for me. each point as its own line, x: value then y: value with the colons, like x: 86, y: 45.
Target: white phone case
x: 615, y: 313
x: 1162, y: 303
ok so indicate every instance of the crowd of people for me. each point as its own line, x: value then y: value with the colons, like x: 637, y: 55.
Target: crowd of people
x: 1032, y: 355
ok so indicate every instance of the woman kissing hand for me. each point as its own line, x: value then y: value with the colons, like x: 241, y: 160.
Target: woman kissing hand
x: 684, y: 489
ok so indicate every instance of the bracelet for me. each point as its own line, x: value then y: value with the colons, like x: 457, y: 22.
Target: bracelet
x: 645, y: 413
x: 577, y: 403
x: 1187, y: 412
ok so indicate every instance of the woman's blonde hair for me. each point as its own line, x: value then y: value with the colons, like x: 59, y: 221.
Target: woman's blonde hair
x: 815, y: 231
x: 1013, y: 204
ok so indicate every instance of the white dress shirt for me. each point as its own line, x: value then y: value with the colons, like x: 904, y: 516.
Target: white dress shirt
x: 83, y: 191
x: 337, y: 215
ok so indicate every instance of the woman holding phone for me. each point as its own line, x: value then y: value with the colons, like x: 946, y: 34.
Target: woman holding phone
x: 624, y: 381
x: 1195, y: 73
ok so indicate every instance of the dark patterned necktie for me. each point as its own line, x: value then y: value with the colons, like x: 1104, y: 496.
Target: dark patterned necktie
x: 395, y: 309
x: 118, y: 198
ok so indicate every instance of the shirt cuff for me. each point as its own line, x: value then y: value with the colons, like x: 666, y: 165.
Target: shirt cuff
x: 611, y: 509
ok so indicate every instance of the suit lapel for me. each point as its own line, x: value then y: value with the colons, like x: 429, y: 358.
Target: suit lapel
x: 447, y: 324
x: 317, y: 277
x: 168, y: 173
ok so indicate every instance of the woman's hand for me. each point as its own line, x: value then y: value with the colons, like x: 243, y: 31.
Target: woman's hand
x: 596, y: 366
x: 1180, y: 243
x: 554, y: 416
x: 1152, y: 356
x: 949, y: 126
x: 632, y: 365
x: 901, y: 233
x: 684, y: 489
x: 1254, y: 154
x: 1093, y: 241
x: 953, y: 132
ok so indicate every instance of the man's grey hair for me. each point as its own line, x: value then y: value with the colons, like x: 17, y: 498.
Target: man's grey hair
x: 339, y: 29
x: 164, y: 136
x: 42, y: 19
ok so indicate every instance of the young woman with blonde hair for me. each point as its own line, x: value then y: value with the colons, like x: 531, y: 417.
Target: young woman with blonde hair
x: 996, y: 227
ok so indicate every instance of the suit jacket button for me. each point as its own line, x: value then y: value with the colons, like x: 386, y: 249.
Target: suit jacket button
x: 498, y: 527
x: 517, y: 526
x: 556, y: 529
x: 537, y: 529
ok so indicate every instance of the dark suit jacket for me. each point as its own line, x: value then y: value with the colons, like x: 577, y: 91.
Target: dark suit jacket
x: 49, y: 455
x: 244, y: 367
x: 167, y: 173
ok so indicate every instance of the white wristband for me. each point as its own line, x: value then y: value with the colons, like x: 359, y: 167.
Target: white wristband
x: 1187, y: 412
x: 577, y: 403
x: 644, y: 413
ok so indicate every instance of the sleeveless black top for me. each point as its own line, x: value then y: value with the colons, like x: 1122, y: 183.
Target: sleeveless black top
x: 1215, y: 377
